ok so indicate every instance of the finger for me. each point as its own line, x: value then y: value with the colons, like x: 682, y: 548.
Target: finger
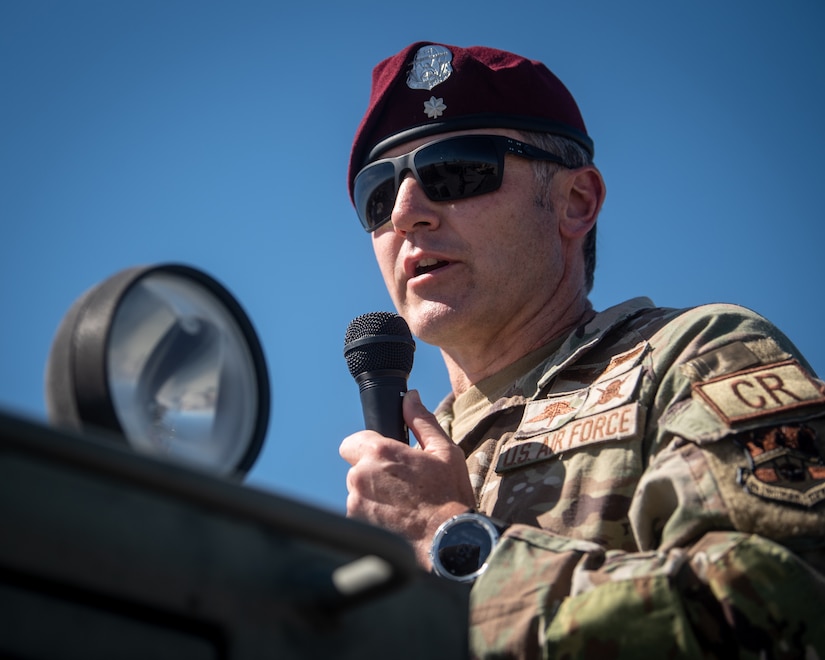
x: 354, y: 446
x: 423, y: 423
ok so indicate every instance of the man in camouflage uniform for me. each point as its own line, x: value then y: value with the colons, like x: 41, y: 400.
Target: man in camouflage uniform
x: 658, y: 474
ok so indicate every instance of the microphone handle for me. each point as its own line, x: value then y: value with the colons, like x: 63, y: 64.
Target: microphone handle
x: 382, y: 394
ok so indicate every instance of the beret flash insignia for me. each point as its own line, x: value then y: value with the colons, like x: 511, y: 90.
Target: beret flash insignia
x: 430, y: 67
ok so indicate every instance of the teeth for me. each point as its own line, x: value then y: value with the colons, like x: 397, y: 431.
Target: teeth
x: 424, y: 263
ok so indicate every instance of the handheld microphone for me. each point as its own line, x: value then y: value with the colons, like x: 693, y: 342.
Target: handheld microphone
x: 379, y: 351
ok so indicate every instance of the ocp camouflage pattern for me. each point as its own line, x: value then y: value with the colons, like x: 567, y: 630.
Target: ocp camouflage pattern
x: 663, y: 474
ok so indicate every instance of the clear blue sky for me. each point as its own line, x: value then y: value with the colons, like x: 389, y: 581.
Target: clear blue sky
x: 217, y: 134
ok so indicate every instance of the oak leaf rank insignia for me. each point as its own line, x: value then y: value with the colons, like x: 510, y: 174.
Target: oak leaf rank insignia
x: 434, y: 107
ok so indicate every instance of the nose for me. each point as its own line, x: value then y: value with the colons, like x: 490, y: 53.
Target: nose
x: 413, y: 210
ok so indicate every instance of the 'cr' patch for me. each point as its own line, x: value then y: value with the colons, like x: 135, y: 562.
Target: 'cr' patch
x: 785, y: 465
x: 760, y: 392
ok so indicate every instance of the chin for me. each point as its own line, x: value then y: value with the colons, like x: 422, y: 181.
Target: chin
x: 431, y: 321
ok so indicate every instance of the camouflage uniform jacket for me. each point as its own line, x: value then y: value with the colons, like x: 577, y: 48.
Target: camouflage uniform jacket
x: 663, y: 476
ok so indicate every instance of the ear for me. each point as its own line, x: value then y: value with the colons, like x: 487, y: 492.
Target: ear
x: 583, y: 192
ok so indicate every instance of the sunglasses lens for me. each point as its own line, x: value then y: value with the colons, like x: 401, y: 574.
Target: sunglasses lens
x: 455, y: 169
x: 450, y: 169
x: 374, y: 194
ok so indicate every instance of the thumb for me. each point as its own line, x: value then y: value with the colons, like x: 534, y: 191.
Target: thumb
x: 424, y: 425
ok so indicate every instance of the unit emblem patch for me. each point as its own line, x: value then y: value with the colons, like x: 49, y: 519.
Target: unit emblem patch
x: 786, y: 465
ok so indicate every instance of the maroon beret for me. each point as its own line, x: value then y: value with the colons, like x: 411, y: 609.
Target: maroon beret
x: 432, y: 88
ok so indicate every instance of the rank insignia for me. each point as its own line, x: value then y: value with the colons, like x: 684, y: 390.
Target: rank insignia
x: 785, y: 465
x: 434, y: 108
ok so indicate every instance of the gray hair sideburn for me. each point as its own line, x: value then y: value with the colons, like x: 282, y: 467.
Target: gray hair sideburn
x: 574, y: 156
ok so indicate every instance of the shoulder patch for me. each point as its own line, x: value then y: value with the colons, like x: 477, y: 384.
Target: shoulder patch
x: 760, y: 392
x: 785, y: 465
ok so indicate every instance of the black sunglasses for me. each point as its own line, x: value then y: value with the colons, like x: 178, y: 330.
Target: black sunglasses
x: 447, y: 169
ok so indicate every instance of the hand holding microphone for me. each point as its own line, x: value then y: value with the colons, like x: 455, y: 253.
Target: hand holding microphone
x: 407, y: 490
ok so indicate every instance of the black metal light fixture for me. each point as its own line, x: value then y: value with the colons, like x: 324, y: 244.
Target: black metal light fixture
x: 166, y: 359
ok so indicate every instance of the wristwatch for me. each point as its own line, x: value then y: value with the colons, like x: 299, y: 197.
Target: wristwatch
x: 463, y: 544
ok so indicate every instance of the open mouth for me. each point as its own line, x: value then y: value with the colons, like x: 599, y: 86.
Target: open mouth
x: 428, y: 266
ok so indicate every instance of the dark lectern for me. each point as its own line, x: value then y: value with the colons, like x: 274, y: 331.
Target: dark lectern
x: 105, y: 553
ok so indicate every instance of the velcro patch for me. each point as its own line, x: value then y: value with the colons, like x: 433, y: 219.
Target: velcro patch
x: 615, y: 424
x: 607, y: 394
x: 626, y: 360
x: 760, y: 392
x: 543, y: 415
x: 785, y: 465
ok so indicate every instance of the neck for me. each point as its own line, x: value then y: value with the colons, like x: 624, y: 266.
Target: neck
x: 470, y: 364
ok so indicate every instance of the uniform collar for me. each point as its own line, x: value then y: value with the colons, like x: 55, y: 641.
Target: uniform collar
x: 577, y: 343
x: 588, y: 335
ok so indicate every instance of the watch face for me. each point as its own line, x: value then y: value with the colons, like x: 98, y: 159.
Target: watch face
x: 462, y: 547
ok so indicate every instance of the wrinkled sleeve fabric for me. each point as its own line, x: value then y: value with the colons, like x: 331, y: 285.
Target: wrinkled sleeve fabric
x: 728, y: 518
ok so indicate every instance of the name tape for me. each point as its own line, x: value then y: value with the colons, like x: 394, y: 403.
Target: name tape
x: 616, y: 424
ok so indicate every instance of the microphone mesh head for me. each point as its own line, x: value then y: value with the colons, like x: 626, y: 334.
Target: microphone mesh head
x: 378, y: 340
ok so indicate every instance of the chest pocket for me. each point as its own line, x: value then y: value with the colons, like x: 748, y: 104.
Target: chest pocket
x: 573, y: 462
x: 577, y: 480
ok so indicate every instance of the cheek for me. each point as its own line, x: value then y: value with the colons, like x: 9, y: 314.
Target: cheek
x: 386, y: 257
x: 523, y: 242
